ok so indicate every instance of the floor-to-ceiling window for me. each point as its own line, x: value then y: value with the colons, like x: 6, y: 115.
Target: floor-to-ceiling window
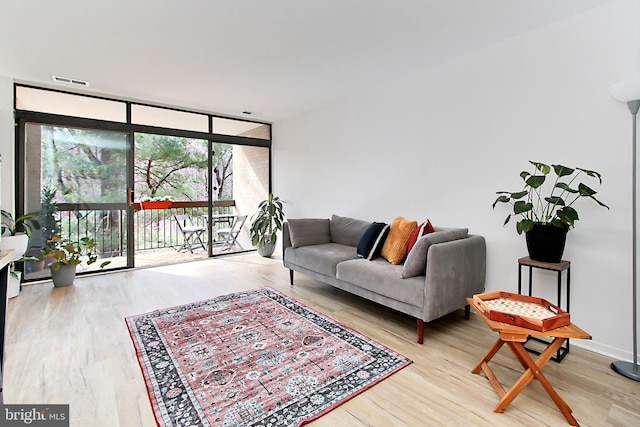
x: 76, y: 180
x: 89, y: 165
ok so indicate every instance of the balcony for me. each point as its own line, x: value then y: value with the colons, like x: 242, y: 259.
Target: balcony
x: 156, y: 236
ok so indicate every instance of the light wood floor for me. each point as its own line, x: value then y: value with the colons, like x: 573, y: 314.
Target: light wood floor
x: 71, y: 345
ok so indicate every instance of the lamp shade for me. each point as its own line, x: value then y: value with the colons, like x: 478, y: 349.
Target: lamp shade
x: 626, y: 91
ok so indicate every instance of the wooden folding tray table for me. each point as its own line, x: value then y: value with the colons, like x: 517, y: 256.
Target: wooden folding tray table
x: 514, y: 337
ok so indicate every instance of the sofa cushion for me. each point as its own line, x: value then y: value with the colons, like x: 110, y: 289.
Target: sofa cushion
x: 321, y: 258
x: 347, y: 231
x: 372, y: 240
x: 395, y: 246
x: 421, y: 230
x: 416, y: 263
x: 382, y: 278
x: 309, y: 231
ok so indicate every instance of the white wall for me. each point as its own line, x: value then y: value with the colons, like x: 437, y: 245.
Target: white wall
x: 7, y: 142
x: 439, y: 143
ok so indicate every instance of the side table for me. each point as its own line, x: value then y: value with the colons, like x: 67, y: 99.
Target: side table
x: 514, y: 337
x: 559, y: 267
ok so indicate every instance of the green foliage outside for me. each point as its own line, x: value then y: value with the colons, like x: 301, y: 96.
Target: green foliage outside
x: 170, y: 166
x: 85, y: 166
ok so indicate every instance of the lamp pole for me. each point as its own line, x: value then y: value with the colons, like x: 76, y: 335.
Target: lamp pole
x: 630, y: 370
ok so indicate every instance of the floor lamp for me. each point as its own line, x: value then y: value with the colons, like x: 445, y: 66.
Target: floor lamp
x: 629, y: 92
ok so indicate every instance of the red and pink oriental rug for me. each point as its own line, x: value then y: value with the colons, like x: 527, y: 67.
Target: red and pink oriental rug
x: 255, y: 358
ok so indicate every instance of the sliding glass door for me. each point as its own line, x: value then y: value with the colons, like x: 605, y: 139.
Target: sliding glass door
x: 170, y: 178
x: 197, y: 180
x: 76, y: 180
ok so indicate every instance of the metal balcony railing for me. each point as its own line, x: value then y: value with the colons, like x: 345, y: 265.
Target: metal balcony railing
x: 153, y: 228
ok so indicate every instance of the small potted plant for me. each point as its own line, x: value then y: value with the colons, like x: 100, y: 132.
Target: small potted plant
x: 265, y: 224
x: 148, y: 202
x: 545, y: 218
x: 24, y: 223
x: 17, y: 232
x: 14, y: 284
x: 68, y: 255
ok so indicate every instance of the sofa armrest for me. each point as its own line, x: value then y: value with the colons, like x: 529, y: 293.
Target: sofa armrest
x: 286, y: 237
x: 455, y: 271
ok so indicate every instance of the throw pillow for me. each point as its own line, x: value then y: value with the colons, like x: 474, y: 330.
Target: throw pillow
x: 395, y: 247
x: 347, y: 231
x: 416, y: 263
x: 308, y: 231
x: 421, y: 230
x: 372, y: 240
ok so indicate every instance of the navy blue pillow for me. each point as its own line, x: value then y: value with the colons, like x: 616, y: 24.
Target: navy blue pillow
x: 372, y: 240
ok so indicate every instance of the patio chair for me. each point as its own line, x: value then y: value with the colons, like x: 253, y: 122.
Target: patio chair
x: 190, y: 232
x: 230, y: 235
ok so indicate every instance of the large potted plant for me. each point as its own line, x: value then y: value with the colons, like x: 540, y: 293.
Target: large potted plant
x: 265, y: 223
x: 68, y: 255
x: 49, y: 222
x: 49, y: 227
x: 547, y: 212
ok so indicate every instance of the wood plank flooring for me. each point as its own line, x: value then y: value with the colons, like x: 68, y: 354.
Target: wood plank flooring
x: 71, y: 345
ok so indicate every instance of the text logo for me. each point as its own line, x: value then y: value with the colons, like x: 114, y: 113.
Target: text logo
x: 34, y: 415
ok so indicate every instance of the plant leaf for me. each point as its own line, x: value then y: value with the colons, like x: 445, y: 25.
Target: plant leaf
x: 535, y: 181
x: 519, y: 195
x: 562, y: 170
x: 501, y: 199
x: 7, y: 215
x: 545, y: 169
x: 521, y: 207
x: 27, y: 259
x: 599, y: 202
x: 585, y: 191
x: 568, y: 215
x: 593, y: 174
x: 565, y: 187
x: 555, y: 200
x: 524, y: 226
x: 27, y: 229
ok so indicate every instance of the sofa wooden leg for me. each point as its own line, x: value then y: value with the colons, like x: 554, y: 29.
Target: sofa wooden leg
x: 291, y: 276
x: 420, y: 331
x: 467, y: 310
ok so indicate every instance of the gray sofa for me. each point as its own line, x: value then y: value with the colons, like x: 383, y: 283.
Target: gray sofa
x: 442, y: 270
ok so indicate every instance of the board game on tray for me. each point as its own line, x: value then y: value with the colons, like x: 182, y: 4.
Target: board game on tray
x: 522, y: 310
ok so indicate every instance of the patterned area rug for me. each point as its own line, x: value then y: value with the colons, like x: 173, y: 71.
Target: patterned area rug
x: 256, y: 358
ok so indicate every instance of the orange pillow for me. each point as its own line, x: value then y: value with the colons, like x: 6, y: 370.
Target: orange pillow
x: 395, y: 247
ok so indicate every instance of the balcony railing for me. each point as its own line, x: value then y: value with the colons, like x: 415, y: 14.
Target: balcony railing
x: 153, y: 228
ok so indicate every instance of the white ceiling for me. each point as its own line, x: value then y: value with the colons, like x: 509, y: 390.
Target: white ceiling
x: 275, y: 58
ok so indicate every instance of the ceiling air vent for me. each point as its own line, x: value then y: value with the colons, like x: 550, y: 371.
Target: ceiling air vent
x: 69, y: 81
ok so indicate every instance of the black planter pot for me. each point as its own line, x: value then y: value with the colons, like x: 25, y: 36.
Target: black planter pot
x: 546, y: 242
